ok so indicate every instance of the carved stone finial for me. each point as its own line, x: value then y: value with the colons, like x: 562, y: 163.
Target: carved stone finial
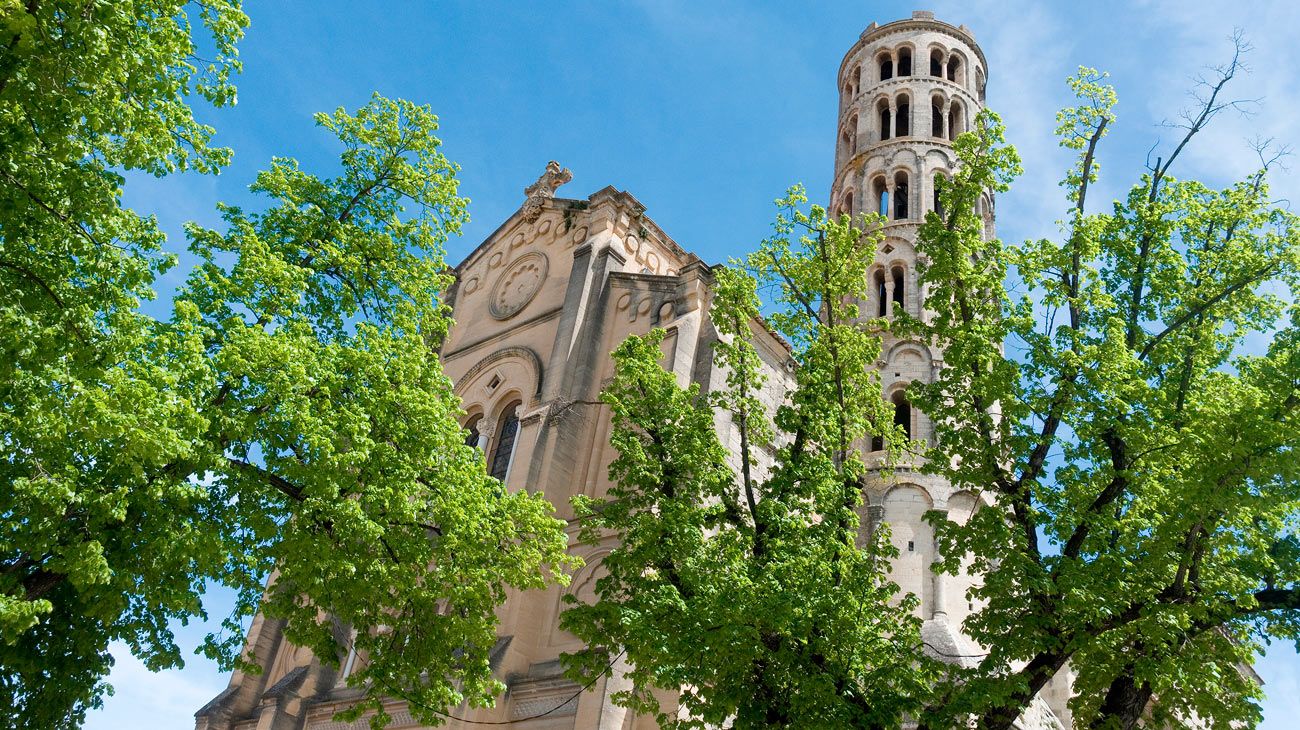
x: 544, y: 189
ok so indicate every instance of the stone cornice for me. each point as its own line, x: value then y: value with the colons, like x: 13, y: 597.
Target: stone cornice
x: 938, y: 26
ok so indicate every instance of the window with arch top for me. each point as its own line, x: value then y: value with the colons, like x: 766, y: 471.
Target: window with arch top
x: 886, y: 67
x: 902, y: 420
x: 902, y: 413
x: 880, y: 196
x: 956, y: 120
x: 900, y: 196
x: 904, y: 62
x: 504, y: 450
x: 902, y: 118
x: 882, y: 294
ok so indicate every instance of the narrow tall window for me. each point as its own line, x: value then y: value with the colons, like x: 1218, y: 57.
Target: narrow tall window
x: 902, y: 119
x: 505, y: 446
x: 956, y: 121
x: 900, y: 288
x: 904, y: 62
x: 886, y: 68
x: 880, y: 196
x: 936, y: 120
x: 884, y: 121
x: 938, y: 204
x: 471, y: 432
x: 900, y: 196
x: 848, y: 203
x: 903, y: 414
x: 936, y: 64
x: 954, y: 69
x: 882, y: 294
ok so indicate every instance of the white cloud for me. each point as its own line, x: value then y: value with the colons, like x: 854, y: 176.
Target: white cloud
x: 161, y: 700
x: 1026, y: 87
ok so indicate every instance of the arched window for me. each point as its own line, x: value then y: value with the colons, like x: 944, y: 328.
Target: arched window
x: 852, y: 134
x: 504, y: 450
x: 883, y: 108
x: 902, y: 419
x: 900, y: 196
x: 936, y: 118
x: 936, y: 63
x: 848, y: 203
x: 471, y: 431
x: 979, y: 84
x: 886, y: 67
x: 900, y: 287
x: 880, y: 195
x: 902, y: 118
x: 956, y: 121
x: 845, y: 150
x: 882, y: 294
x: 939, y: 181
x: 903, y: 413
x: 954, y: 69
x: 904, y: 62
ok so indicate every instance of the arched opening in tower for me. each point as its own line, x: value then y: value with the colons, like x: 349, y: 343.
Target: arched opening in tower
x: 902, y: 118
x: 903, y: 413
x: 900, y: 196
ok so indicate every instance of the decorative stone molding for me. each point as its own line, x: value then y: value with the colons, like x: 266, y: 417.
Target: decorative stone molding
x: 517, y: 286
x: 544, y: 189
x: 526, y: 354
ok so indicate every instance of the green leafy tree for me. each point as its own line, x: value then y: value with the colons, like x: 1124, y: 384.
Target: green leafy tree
x: 290, y: 415
x: 1130, y: 406
x: 1140, y: 441
x: 745, y: 582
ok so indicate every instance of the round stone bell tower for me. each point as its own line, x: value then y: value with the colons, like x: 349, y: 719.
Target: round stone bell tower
x: 907, y: 89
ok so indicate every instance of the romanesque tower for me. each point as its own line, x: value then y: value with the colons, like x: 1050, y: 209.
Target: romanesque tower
x: 907, y: 89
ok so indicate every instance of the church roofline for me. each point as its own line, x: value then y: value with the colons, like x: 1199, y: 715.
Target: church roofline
x: 608, y: 193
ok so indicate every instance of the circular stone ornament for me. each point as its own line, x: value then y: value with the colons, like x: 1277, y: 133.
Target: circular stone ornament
x: 517, y: 285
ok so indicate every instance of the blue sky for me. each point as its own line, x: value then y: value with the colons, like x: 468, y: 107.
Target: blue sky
x: 705, y: 112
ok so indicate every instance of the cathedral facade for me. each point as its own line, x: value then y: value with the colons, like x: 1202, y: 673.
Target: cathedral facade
x: 542, y: 301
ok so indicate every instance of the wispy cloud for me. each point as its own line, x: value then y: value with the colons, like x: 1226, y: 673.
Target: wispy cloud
x: 155, y: 699
x: 1026, y: 87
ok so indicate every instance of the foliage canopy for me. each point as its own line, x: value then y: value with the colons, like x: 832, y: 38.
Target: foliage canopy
x: 290, y: 415
x: 1135, y: 438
